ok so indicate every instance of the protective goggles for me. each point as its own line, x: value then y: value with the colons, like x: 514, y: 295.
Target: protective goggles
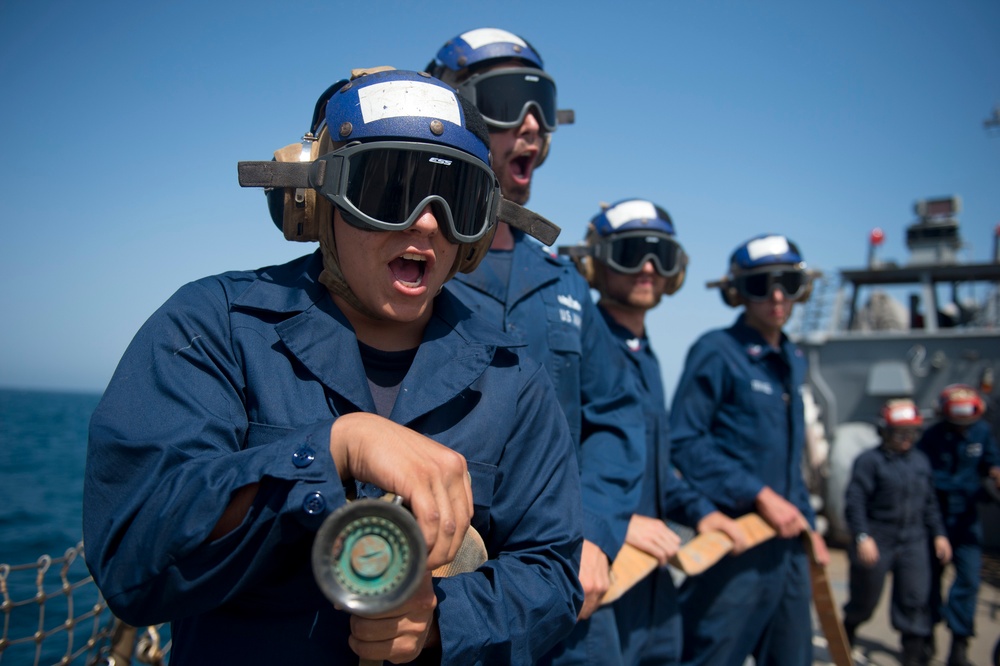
x: 759, y: 286
x: 385, y: 186
x: 901, y: 434
x: 505, y: 96
x: 628, y: 252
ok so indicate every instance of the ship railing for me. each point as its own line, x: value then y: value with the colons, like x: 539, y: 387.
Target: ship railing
x: 51, y: 608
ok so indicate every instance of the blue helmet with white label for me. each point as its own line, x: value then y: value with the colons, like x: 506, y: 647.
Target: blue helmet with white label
x: 503, y: 75
x: 761, y: 265
x: 480, y: 48
x: 763, y: 251
x: 625, y: 236
x: 632, y: 215
x: 382, y: 147
x: 407, y: 106
x: 380, y: 105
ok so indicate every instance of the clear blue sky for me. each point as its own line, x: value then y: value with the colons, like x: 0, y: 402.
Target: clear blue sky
x: 122, y: 122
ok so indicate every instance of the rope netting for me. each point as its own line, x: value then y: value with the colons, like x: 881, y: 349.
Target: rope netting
x: 53, y: 613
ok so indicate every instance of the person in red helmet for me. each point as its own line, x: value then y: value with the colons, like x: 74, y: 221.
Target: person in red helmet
x: 962, y: 452
x: 891, y: 510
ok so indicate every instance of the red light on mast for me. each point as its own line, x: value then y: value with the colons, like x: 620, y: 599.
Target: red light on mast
x: 877, y: 236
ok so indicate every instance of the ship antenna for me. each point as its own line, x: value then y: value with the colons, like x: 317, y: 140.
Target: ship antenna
x: 993, y: 122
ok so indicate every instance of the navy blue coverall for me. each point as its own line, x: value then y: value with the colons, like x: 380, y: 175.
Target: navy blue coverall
x: 959, y: 460
x: 737, y: 424
x: 238, y: 379
x: 648, y: 615
x: 546, y: 303
x: 890, y: 498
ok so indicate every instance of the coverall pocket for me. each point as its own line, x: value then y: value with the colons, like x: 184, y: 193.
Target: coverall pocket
x: 483, y: 484
x: 564, y: 369
x: 261, y: 434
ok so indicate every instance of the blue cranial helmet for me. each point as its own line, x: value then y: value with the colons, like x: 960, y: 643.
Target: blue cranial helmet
x: 626, y: 235
x: 632, y: 215
x: 763, y: 251
x: 503, y: 75
x: 478, y: 48
x: 760, y: 266
x: 407, y: 106
x: 383, y: 146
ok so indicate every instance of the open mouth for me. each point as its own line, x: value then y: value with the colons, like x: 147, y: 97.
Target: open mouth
x: 409, y: 269
x: 520, y: 167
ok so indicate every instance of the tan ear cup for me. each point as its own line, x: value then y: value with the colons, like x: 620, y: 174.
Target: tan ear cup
x: 586, y: 264
x: 731, y: 296
x: 586, y: 267
x: 544, y: 152
x: 807, y: 292
x: 304, y: 208
x: 811, y: 275
x: 675, y: 282
x: 470, y: 255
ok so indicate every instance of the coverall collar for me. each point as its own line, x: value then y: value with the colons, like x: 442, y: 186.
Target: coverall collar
x: 753, y: 342
x: 456, y: 348
x: 526, y: 274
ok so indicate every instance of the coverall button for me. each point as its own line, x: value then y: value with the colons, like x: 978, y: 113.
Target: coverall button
x: 314, y: 503
x: 303, y: 457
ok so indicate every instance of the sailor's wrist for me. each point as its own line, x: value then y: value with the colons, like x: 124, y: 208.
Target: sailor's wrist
x: 861, y: 537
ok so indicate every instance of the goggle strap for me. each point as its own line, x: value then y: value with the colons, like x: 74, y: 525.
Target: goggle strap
x: 576, y: 251
x: 290, y: 174
x: 528, y: 221
x: 565, y: 117
x: 274, y: 174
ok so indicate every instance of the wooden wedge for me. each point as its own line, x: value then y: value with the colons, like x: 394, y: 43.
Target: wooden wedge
x: 632, y: 565
x: 826, y: 608
x: 706, y: 549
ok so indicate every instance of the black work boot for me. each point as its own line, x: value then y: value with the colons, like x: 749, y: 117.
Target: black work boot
x: 957, y: 656
x: 849, y: 630
x: 913, y: 650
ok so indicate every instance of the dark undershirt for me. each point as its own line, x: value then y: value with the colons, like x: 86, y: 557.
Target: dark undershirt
x: 385, y: 371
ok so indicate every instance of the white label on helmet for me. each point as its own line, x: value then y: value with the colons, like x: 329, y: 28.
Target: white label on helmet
x: 901, y: 413
x: 628, y: 211
x: 483, y: 36
x: 392, y: 99
x: 768, y: 246
x: 961, y: 409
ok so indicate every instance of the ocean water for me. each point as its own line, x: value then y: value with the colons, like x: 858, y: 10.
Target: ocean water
x: 43, y: 447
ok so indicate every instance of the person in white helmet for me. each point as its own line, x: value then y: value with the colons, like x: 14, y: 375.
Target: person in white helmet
x: 632, y: 257
x: 527, y: 291
x: 737, y: 429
